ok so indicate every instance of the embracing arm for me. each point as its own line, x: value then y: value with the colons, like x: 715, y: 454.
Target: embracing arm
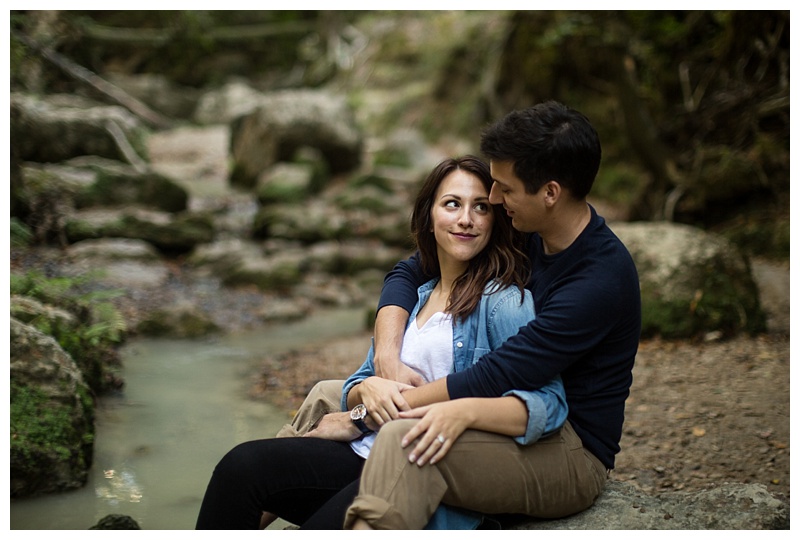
x: 398, y: 298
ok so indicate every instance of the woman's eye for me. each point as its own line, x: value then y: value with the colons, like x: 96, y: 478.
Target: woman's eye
x: 482, y: 207
x: 451, y: 204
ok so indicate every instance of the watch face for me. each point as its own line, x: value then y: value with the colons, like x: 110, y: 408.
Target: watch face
x: 359, y: 412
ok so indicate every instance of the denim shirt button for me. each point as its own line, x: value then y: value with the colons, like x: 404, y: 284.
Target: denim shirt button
x: 459, y: 344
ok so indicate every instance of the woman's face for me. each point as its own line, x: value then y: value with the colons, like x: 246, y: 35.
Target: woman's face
x: 462, y: 218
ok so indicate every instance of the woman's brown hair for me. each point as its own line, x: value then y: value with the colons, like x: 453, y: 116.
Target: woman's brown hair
x: 502, y: 259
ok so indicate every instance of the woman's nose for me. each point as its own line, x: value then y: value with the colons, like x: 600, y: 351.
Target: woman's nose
x: 465, y: 218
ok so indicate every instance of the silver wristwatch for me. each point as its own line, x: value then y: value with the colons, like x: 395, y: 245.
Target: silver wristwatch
x: 357, y: 415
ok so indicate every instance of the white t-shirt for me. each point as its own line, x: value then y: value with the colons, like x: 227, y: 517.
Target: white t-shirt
x: 428, y: 351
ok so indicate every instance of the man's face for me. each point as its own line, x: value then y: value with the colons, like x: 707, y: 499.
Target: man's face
x: 525, y: 209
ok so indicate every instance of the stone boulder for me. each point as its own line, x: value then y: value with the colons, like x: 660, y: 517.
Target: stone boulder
x: 159, y: 93
x: 52, y: 416
x: 62, y: 127
x: 286, y: 183
x: 692, y: 282
x: 170, y: 233
x: 223, y: 105
x: 286, y: 121
x: 318, y: 220
x: 96, y: 181
x: 622, y: 507
x: 117, y: 263
x: 116, y: 522
x: 179, y: 321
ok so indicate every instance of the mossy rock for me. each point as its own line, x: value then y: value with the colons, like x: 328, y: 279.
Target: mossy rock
x: 692, y: 283
x: 52, y: 416
x: 180, y: 322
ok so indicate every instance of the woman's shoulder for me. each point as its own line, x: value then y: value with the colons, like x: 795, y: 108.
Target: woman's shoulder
x: 496, y: 293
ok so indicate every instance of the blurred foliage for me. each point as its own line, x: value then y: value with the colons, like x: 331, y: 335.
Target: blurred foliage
x: 692, y: 106
x: 92, y: 341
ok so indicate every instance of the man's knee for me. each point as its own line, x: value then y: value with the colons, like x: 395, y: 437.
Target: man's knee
x: 328, y: 391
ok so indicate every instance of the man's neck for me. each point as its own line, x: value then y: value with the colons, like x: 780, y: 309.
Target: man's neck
x: 566, y: 228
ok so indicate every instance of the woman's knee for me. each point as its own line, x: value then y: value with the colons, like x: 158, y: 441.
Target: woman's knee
x: 394, y: 431
x: 239, y: 462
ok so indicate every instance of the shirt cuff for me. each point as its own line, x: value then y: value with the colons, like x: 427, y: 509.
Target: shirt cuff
x: 537, y: 416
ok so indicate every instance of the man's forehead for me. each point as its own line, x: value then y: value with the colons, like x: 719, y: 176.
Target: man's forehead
x: 503, y: 171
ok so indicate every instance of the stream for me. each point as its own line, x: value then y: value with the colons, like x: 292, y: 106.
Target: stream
x: 184, y: 405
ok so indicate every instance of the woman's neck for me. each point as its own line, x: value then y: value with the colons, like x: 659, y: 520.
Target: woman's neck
x: 449, y: 273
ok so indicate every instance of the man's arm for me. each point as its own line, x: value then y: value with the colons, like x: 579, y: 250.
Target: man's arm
x: 390, y: 325
x: 398, y: 298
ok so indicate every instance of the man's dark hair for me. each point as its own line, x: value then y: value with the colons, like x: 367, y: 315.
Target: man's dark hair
x: 548, y: 141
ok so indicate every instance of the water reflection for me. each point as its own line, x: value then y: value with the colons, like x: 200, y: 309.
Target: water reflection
x: 121, y: 486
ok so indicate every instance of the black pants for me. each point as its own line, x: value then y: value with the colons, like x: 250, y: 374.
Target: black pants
x: 306, y: 481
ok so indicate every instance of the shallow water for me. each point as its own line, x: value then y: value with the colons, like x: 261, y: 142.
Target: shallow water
x: 183, y: 407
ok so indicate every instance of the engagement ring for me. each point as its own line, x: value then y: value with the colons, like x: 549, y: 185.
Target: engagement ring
x: 441, y: 438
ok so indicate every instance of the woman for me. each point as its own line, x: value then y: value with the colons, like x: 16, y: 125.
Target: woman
x: 474, y: 305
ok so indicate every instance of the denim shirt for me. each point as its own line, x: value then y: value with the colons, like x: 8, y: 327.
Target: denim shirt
x: 498, y: 317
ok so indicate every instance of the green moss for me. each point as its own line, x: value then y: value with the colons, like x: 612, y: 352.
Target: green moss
x: 756, y: 235
x: 40, y: 426
x: 721, y: 303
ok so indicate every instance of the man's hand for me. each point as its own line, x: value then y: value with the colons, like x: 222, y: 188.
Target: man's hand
x: 395, y: 370
x: 335, y: 427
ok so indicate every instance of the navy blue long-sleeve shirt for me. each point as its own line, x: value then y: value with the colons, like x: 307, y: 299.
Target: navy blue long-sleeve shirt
x: 587, y: 327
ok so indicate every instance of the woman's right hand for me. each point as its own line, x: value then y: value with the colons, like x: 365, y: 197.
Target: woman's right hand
x: 383, y: 398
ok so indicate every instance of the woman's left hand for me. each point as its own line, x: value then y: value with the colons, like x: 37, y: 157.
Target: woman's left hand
x: 440, y: 425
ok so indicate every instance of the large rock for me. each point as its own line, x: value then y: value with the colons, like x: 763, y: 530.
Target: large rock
x: 728, y: 507
x: 225, y: 104
x: 117, y: 262
x: 180, y: 321
x: 170, y: 233
x: 159, y: 93
x: 318, y: 220
x: 59, y: 128
x: 52, y: 427
x: 286, y: 121
x: 96, y: 181
x: 692, y: 282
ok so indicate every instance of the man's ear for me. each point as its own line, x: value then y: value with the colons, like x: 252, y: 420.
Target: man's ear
x: 552, y: 193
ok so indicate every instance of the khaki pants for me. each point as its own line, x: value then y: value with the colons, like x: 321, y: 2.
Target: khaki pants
x: 552, y: 478
x: 489, y: 473
x: 324, y: 398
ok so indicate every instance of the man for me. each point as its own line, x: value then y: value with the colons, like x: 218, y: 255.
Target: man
x: 588, y: 318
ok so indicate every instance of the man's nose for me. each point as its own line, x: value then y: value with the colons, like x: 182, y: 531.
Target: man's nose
x: 495, y: 197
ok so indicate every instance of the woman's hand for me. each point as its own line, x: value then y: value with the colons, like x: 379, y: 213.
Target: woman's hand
x: 335, y: 427
x: 383, y: 398
x: 440, y: 425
